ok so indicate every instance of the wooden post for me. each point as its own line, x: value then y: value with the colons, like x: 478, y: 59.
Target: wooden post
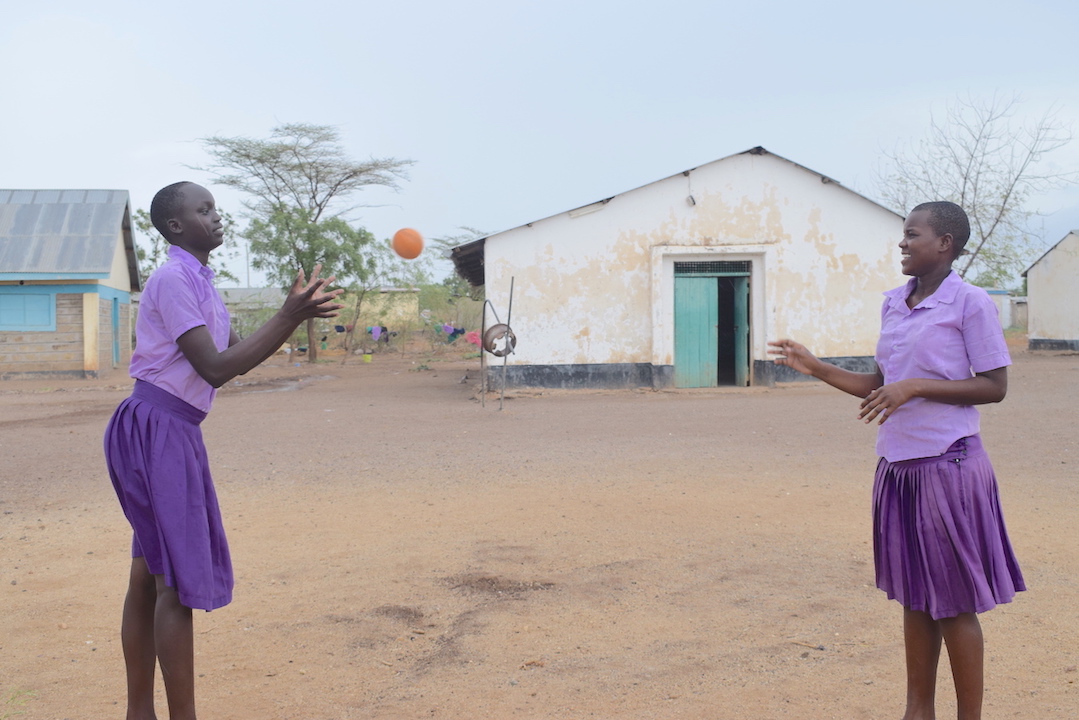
x: 90, y: 328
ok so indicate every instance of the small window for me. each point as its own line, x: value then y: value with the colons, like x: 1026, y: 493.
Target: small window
x: 713, y: 267
x: 29, y: 312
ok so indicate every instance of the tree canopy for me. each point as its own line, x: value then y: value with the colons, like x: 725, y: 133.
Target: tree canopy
x: 301, y: 166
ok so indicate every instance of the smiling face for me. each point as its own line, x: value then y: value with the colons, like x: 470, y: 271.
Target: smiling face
x: 924, y: 251
x: 197, y: 225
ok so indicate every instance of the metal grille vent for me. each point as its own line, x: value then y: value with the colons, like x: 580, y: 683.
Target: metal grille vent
x: 714, y: 267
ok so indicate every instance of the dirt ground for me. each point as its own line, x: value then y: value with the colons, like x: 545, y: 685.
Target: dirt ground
x: 403, y: 551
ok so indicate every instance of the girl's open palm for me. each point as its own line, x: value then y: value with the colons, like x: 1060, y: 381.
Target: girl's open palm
x: 306, y: 298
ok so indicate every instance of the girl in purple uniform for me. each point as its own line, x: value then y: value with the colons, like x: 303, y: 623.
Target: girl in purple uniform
x: 939, y: 541
x: 184, y: 351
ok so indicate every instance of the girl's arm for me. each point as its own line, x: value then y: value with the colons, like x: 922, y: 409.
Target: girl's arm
x: 305, y: 300
x: 985, y: 387
x: 234, y: 337
x: 797, y: 357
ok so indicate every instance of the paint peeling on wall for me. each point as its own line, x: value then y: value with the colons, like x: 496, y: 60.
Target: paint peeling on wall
x: 583, y: 285
x: 554, y: 300
x: 828, y: 290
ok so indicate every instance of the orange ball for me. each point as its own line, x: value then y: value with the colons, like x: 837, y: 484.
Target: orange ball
x: 408, y: 243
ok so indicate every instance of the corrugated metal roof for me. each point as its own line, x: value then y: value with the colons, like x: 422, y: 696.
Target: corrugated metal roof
x: 61, y: 232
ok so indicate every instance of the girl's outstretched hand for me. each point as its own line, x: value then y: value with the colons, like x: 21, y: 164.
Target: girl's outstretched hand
x: 794, y: 355
x: 307, y: 299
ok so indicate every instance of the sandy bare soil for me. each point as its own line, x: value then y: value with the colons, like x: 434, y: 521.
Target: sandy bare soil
x: 404, y: 552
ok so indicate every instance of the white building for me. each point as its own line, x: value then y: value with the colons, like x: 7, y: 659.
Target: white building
x: 683, y: 281
x: 1053, y: 297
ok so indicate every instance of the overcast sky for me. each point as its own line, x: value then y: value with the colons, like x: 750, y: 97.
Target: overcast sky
x: 514, y: 111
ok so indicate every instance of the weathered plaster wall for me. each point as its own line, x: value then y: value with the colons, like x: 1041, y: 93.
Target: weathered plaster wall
x: 1053, y: 294
x: 596, y: 285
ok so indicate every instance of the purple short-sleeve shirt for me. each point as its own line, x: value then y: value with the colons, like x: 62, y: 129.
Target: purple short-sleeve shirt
x: 952, y: 334
x: 180, y: 295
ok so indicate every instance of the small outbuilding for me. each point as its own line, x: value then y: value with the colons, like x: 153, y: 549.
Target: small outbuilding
x: 1053, y: 297
x: 682, y: 282
x: 67, y: 271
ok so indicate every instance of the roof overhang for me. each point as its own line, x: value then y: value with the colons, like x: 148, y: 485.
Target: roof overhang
x: 468, y: 261
x: 51, y: 277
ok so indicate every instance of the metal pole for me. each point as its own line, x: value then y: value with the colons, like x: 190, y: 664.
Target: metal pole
x: 483, y: 358
x: 506, y: 357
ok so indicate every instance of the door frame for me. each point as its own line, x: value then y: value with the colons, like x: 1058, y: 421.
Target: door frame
x: 706, y: 336
x: 662, y: 277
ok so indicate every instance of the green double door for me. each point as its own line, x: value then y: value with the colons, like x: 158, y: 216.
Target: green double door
x: 711, y: 331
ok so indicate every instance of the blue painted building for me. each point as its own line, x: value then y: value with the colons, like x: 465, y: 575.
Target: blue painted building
x: 67, y: 271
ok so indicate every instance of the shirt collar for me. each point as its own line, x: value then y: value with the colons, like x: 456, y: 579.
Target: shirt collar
x: 183, y: 256
x: 949, y: 288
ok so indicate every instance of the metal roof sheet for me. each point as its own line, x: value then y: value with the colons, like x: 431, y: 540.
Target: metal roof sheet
x: 63, y: 232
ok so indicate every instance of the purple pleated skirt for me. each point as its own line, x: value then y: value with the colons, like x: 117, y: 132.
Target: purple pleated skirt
x: 159, y: 468
x: 939, y: 539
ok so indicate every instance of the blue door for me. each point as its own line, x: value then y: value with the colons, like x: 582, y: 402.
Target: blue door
x: 115, y: 332
x: 696, y: 332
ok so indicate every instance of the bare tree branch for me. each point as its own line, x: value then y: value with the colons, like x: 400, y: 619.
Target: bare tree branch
x: 979, y: 158
x: 301, y: 166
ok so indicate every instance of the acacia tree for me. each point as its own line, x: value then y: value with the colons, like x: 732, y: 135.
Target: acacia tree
x: 301, y: 185
x: 287, y: 239
x: 978, y: 157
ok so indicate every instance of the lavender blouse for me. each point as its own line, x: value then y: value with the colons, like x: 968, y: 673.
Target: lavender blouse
x: 179, y: 296
x: 951, y: 335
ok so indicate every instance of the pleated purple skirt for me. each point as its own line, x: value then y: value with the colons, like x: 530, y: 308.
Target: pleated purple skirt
x: 159, y: 468
x: 939, y: 539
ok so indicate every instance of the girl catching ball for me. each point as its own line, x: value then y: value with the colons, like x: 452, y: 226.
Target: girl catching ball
x: 185, y: 350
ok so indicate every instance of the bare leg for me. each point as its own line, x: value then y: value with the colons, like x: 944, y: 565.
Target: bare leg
x: 966, y: 652
x: 137, y: 639
x: 921, y: 636
x: 174, y: 641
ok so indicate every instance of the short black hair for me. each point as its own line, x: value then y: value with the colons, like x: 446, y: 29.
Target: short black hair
x: 947, y: 218
x: 166, y: 205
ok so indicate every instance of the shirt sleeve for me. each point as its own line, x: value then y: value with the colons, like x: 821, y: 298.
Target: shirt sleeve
x: 179, y: 306
x: 982, y: 334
